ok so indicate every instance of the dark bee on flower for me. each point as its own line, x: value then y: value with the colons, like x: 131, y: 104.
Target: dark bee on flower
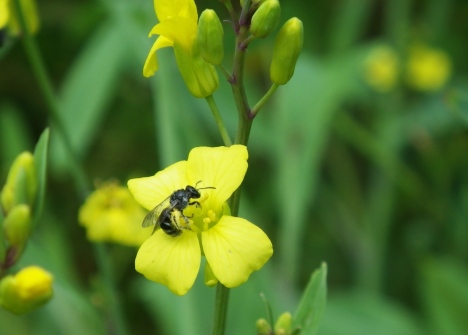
x: 168, y: 213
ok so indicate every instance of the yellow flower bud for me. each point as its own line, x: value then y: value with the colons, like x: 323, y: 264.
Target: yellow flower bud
x: 199, y: 76
x: 26, y: 291
x: 17, y: 225
x: 288, y: 45
x: 263, y: 327
x: 210, y: 37
x: 283, y: 324
x: 265, y: 18
x: 21, y: 184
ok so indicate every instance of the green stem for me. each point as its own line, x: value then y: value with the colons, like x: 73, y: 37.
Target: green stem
x: 219, y: 121
x: 112, y: 301
x: 242, y: 137
x: 45, y: 85
x: 221, y: 304
x: 263, y: 100
x: 81, y: 181
x: 233, y: 14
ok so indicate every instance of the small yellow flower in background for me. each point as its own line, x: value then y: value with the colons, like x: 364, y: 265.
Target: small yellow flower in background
x: 381, y: 68
x: 233, y: 246
x: 177, y: 28
x: 111, y: 214
x: 428, y: 69
x: 26, y: 291
x: 9, y: 17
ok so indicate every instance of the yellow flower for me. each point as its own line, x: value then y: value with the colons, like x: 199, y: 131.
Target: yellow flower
x: 427, y: 69
x: 233, y: 246
x: 381, y: 69
x: 9, y: 17
x: 111, y: 214
x: 27, y: 290
x: 177, y: 28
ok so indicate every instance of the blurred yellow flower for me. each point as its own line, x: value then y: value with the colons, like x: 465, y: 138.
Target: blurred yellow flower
x: 233, y: 246
x: 428, y: 69
x: 27, y: 290
x: 9, y: 16
x: 111, y: 214
x: 381, y: 68
x: 177, y: 28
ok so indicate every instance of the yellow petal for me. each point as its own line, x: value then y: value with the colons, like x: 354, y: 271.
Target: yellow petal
x: 171, y: 261
x: 221, y: 167
x: 151, y: 64
x: 178, y: 30
x: 168, y: 9
x: 4, y: 13
x: 235, y: 248
x: 151, y: 191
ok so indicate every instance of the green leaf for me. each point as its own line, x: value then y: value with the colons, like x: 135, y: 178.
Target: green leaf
x: 445, y: 294
x: 360, y: 313
x: 87, y: 90
x: 312, y: 305
x: 40, y: 163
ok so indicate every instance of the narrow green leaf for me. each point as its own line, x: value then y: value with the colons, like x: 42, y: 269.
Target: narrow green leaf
x: 87, y: 90
x: 40, y: 163
x: 445, y: 294
x: 312, y: 305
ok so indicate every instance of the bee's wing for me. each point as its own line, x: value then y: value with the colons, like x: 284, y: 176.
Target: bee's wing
x: 152, y: 217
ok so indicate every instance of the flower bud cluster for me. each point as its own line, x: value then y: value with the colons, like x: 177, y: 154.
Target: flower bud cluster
x: 30, y: 287
x: 17, y: 199
x: 283, y: 326
x: 288, y: 41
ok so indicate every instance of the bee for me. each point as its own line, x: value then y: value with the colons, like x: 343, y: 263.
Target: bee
x: 167, y: 214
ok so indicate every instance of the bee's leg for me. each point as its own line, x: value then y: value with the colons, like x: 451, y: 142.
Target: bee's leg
x: 186, y: 219
x: 196, y: 203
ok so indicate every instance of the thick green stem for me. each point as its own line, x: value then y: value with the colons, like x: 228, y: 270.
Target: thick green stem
x: 221, y: 305
x: 219, y: 121
x: 242, y: 137
x: 81, y: 181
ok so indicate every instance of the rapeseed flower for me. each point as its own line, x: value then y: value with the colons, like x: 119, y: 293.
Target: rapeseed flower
x: 233, y: 246
x: 9, y: 17
x: 177, y: 28
x: 111, y: 214
x: 428, y: 69
x: 381, y: 69
x: 27, y: 290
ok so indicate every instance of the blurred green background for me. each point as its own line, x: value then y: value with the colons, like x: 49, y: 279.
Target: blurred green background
x: 372, y: 181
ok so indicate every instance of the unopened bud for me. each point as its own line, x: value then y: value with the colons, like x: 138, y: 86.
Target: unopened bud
x: 27, y: 290
x: 210, y: 37
x: 266, y: 18
x: 21, y: 184
x: 283, y: 324
x: 263, y: 327
x: 17, y: 225
x: 288, y: 45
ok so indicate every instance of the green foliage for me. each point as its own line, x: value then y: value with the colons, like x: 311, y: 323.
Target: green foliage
x: 312, y: 305
x: 374, y: 184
